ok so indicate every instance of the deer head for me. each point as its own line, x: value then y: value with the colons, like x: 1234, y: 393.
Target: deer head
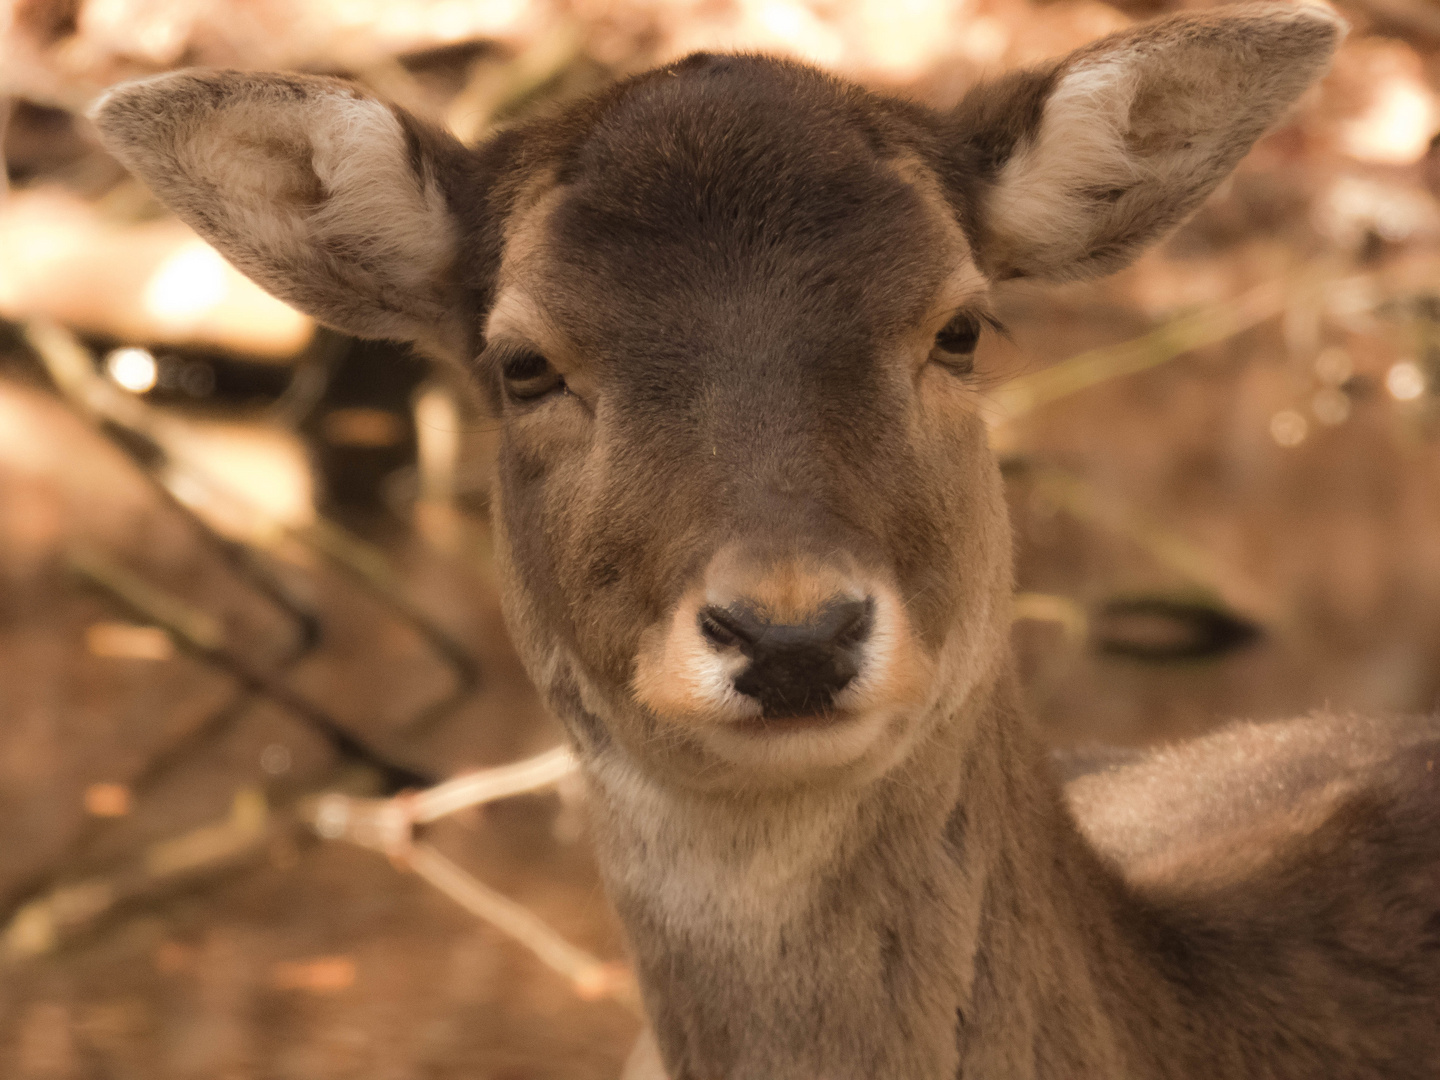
x: 726, y: 314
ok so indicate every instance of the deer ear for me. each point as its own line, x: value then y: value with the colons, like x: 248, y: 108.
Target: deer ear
x: 1082, y: 164
x: 329, y: 199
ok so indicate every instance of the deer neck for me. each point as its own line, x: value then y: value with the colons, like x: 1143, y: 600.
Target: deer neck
x: 931, y: 920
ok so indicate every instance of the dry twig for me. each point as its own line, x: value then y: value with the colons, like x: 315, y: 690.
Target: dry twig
x: 1166, y: 342
x: 388, y: 826
x: 71, y: 368
x: 67, y: 909
x: 199, y: 634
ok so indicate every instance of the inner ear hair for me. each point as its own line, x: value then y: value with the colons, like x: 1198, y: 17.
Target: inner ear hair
x: 1077, y: 166
x: 330, y: 199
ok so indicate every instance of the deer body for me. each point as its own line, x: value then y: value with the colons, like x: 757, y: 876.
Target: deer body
x: 980, y: 926
x: 755, y: 553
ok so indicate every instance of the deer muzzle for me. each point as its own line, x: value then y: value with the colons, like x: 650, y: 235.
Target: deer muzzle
x: 778, y: 647
x: 792, y: 669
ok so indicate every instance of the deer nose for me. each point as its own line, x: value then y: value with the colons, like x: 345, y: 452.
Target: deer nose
x: 795, y: 669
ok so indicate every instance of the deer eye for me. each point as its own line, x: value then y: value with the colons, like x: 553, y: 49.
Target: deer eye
x: 955, y: 344
x: 528, y: 376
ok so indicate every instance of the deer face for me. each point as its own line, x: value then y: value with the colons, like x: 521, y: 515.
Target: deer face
x: 726, y: 313
x: 746, y: 497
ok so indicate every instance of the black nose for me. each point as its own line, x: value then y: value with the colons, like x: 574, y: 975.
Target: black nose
x: 795, y: 668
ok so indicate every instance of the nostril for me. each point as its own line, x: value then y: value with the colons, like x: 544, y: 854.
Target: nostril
x: 721, y: 628
x: 848, y: 623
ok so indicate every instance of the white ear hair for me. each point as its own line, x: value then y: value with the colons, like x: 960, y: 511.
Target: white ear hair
x: 1037, y: 210
x: 310, y: 188
x: 1139, y: 128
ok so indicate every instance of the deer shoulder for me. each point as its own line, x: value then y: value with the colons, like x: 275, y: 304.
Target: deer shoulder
x: 1222, y: 805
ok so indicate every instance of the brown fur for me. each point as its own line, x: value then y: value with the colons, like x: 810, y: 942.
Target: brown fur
x: 739, y: 267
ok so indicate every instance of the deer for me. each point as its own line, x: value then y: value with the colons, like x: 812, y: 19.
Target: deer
x: 755, y: 555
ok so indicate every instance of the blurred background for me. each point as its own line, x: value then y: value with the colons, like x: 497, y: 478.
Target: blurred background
x: 244, y: 560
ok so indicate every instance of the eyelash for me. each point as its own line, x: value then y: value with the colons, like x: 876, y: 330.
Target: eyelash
x: 527, y: 376
x: 955, y: 342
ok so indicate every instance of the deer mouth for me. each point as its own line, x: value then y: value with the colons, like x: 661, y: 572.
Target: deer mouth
x: 794, y: 723
x: 808, y: 745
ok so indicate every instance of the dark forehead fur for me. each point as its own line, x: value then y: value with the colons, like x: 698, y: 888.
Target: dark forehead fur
x: 719, y: 141
x: 752, y: 159
x: 782, y: 178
